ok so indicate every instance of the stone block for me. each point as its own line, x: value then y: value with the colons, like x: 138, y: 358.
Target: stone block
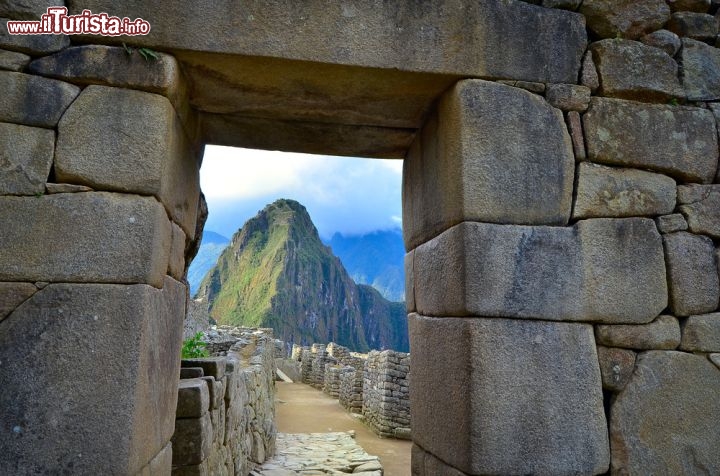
x: 26, y: 155
x: 665, y: 40
x: 217, y: 392
x: 50, y: 98
x: 576, y: 134
x: 661, y: 334
x: 212, y: 366
x: 193, y: 398
x: 113, y: 66
x: 701, y: 333
x: 600, y: 270
x: 624, y: 18
x: 84, y: 237
x: 698, y: 26
x: 631, y: 70
x: 191, y: 372
x: 471, y: 161
x: 128, y: 338
x: 618, y: 192
x: 12, y: 295
x: 701, y: 70
x: 715, y: 359
x: 692, y: 274
x: 161, y: 464
x: 547, y: 419
x: 13, y: 61
x: 202, y: 469
x: 671, y: 223
x: 665, y: 421
x: 51, y: 188
x: 192, y: 440
x: 130, y: 141
x: 34, y: 45
x: 701, y: 206
x: 568, y: 97
x: 588, y: 74
x: 676, y: 140
x: 616, y: 367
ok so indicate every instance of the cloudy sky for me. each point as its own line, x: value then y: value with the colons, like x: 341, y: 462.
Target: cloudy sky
x: 348, y: 195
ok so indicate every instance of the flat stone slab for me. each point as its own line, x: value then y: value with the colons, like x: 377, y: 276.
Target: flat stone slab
x: 516, y: 396
x: 692, y: 273
x: 473, y: 161
x: 600, y: 270
x: 624, y: 18
x: 665, y: 421
x: 84, y: 237
x: 618, y: 192
x: 677, y: 140
x: 661, y: 334
x: 318, y: 453
x: 123, y: 409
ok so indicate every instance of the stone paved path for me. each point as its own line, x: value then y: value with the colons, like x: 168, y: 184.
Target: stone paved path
x: 311, y: 454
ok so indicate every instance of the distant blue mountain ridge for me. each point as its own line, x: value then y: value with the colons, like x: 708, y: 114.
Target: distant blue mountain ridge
x: 374, y: 258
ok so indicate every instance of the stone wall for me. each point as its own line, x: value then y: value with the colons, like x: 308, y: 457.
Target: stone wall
x: 350, y: 395
x: 386, y: 393
x: 226, y: 408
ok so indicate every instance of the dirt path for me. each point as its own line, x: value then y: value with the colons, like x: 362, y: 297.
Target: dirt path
x: 302, y: 409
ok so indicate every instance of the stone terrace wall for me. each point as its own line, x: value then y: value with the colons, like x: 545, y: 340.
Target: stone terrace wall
x: 225, y: 415
x: 386, y: 393
x: 351, y: 389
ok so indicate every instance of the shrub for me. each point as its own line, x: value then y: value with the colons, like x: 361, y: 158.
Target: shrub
x: 194, y: 347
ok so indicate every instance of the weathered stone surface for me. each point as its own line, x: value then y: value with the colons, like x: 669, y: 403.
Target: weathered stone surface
x: 700, y: 6
x: 409, y: 282
x: 671, y: 223
x: 57, y: 406
x: 193, y: 398
x: 666, y: 419
x: 176, y: 261
x: 715, y: 359
x: 192, y: 440
x: 50, y: 98
x: 129, y: 141
x: 624, y: 18
x: 701, y: 333
x: 631, y: 70
x: 34, y: 45
x: 692, y: 273
x: 191, y: 372
x: 576, y: 134
x: 698, y: 26
x: 662, y: 334
x: 455, y: 170
x: 546, y: 419
x: 12, y: 295
x: 568, y: 97
x: 26, y: 9
x: 84, y: 237
x: 601, y: 270
x: 588, y: 74
x: 217, y: 392
x: 616, y: 367
x: 666, y: 40
x: 13, y: 61
x: 66, y: 188
x: 26, y: 155
x: 701, y: 70
x: 538, y: 88
x: 615, y: 192
x: 564, y: 4
x: 112, y: 66
x: 679, y: 141
x: 701, y: 206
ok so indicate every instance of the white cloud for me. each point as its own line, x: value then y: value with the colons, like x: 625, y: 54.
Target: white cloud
x: 349, y: 195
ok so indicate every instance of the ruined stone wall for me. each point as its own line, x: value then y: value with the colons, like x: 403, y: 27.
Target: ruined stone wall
x: 386, y: 393
x: 350, y: 395
x: 226, y: 409
x: 331, y: 386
